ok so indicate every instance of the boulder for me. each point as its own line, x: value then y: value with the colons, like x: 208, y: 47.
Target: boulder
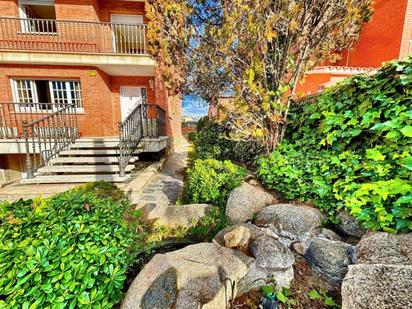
x: 329, y: 234
x: 188, y: 278
x: 291, y: 222
x: 377, y: 286
x: 384, y: 248
x: 174, y: 216
x: 329, y: 258
x: 238, y: 239
x: 247, y: 200
x: 273, y: 260
x: 231, y: 235
x: 349, y: 225
x: 270, y: 254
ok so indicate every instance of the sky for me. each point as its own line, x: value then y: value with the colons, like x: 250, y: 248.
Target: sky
x: 194, y: 106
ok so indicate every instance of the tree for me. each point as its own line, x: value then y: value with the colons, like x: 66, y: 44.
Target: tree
x: 256, y: 49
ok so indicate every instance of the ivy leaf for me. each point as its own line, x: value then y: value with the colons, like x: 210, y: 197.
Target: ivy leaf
x: 407, y: 131
x: 374, y: 154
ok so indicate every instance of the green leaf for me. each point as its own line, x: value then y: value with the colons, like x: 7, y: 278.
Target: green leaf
x: 281, y: 297
x: 407, y: 131
x: 314, y: 294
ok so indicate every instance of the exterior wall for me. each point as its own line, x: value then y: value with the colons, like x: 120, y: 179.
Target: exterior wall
x: 11, y: 167
x: 311, y: 83
x: 97, y: 119
x: 101, y: 95
x: 81, y: 10
x: 406, y: 46
x: 381, y: 38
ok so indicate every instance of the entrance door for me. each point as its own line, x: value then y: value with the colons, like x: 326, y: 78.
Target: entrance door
x: 130, y: 98
x: 127, y: 35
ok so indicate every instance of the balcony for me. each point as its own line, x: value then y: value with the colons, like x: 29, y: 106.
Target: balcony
x: 80, y: 37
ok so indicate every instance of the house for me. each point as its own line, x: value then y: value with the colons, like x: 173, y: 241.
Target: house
x: 386, y: 37
x: 80, y: 97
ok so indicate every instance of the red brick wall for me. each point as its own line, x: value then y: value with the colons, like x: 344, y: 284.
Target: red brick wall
x: 380, y: 39
x: 311, y: 83
x: 101, y: 97
x: 85, y: 10
x: 9, y: 8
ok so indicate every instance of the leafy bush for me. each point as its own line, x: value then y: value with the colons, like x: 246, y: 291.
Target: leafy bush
x: 213, y: 142
x: 68, y: 251
x: 352, y: 149
x: 210, y: 181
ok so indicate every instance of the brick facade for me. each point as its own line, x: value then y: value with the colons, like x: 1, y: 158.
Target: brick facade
x: 101, y: 92
x: 386, y: 37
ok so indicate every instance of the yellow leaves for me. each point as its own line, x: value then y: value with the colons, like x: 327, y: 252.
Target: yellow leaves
x: 270, y: 34
x: 293, y: 25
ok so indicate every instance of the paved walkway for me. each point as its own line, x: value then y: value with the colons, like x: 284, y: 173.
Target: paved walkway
x: 167, y: 187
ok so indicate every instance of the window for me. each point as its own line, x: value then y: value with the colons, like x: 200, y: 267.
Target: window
x: 47, y: 95
x: 39, y: 16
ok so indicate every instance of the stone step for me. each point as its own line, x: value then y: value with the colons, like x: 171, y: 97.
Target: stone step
x: 88, y: 160
x: 97, y: 144
x: 93, y: 152
x: 97, y: 139
x: 74, y: 179
x: 83, y: 169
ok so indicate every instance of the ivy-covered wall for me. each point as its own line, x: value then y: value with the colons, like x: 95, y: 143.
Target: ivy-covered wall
x: 352, y: 149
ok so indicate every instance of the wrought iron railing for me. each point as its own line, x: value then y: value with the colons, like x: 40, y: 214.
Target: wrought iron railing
x: 146, y: 120
x: 72, y: 36
x: 47, y: 136
x: 12, y: 116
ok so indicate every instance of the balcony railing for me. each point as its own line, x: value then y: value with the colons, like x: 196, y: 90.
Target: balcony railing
x: 72, y: 36
x: 13, y: 115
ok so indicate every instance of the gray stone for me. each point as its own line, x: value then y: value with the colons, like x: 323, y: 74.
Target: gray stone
x: 188, y: 278
x: 270, y: 254
x: 377, y: 286
x: 330, y: 258
x: 329, y: 234
x: 258, y: 277
x: 291, y: 221
x: 247, y: 200
x: 349, y: 225
x: 384, y: 248
x: 174, y: 216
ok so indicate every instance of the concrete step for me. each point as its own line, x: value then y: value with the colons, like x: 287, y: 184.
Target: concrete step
x: 88, y: 160
x: 77, y: 179
x: 97, y: 139
x: 93, y: 152
x: 98, y: 144
x: 83, y: 169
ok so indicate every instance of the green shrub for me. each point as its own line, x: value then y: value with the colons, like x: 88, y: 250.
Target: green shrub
x: 210, y: 181
x: 213, y: 142
x: 68, y: 251
x: 352, y: 149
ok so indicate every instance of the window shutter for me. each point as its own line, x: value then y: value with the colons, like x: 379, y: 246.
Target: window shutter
x: 37, y: 2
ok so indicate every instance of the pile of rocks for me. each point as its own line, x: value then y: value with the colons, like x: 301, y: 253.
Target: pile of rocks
x: 377, y: 273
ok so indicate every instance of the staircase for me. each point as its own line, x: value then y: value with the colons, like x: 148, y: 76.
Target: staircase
x: 87, y: 160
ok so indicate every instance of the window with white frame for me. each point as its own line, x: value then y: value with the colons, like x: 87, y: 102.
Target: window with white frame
x: 47, y: 94
x: 39, y: 16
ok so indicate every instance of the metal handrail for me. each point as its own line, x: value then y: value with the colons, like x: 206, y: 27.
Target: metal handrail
x: 13, y: 114
x: 146, y: 120
x: 47, y: 136
x: 72, y: 36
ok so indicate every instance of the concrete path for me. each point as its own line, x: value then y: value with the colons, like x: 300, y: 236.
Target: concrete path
x: 167, y: 187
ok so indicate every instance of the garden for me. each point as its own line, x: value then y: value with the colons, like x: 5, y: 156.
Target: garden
x: 282, y: 226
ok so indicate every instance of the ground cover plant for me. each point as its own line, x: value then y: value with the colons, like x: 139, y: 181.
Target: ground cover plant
x: 68, y: 251
x: 210, y: 181
x: 352, y: 149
